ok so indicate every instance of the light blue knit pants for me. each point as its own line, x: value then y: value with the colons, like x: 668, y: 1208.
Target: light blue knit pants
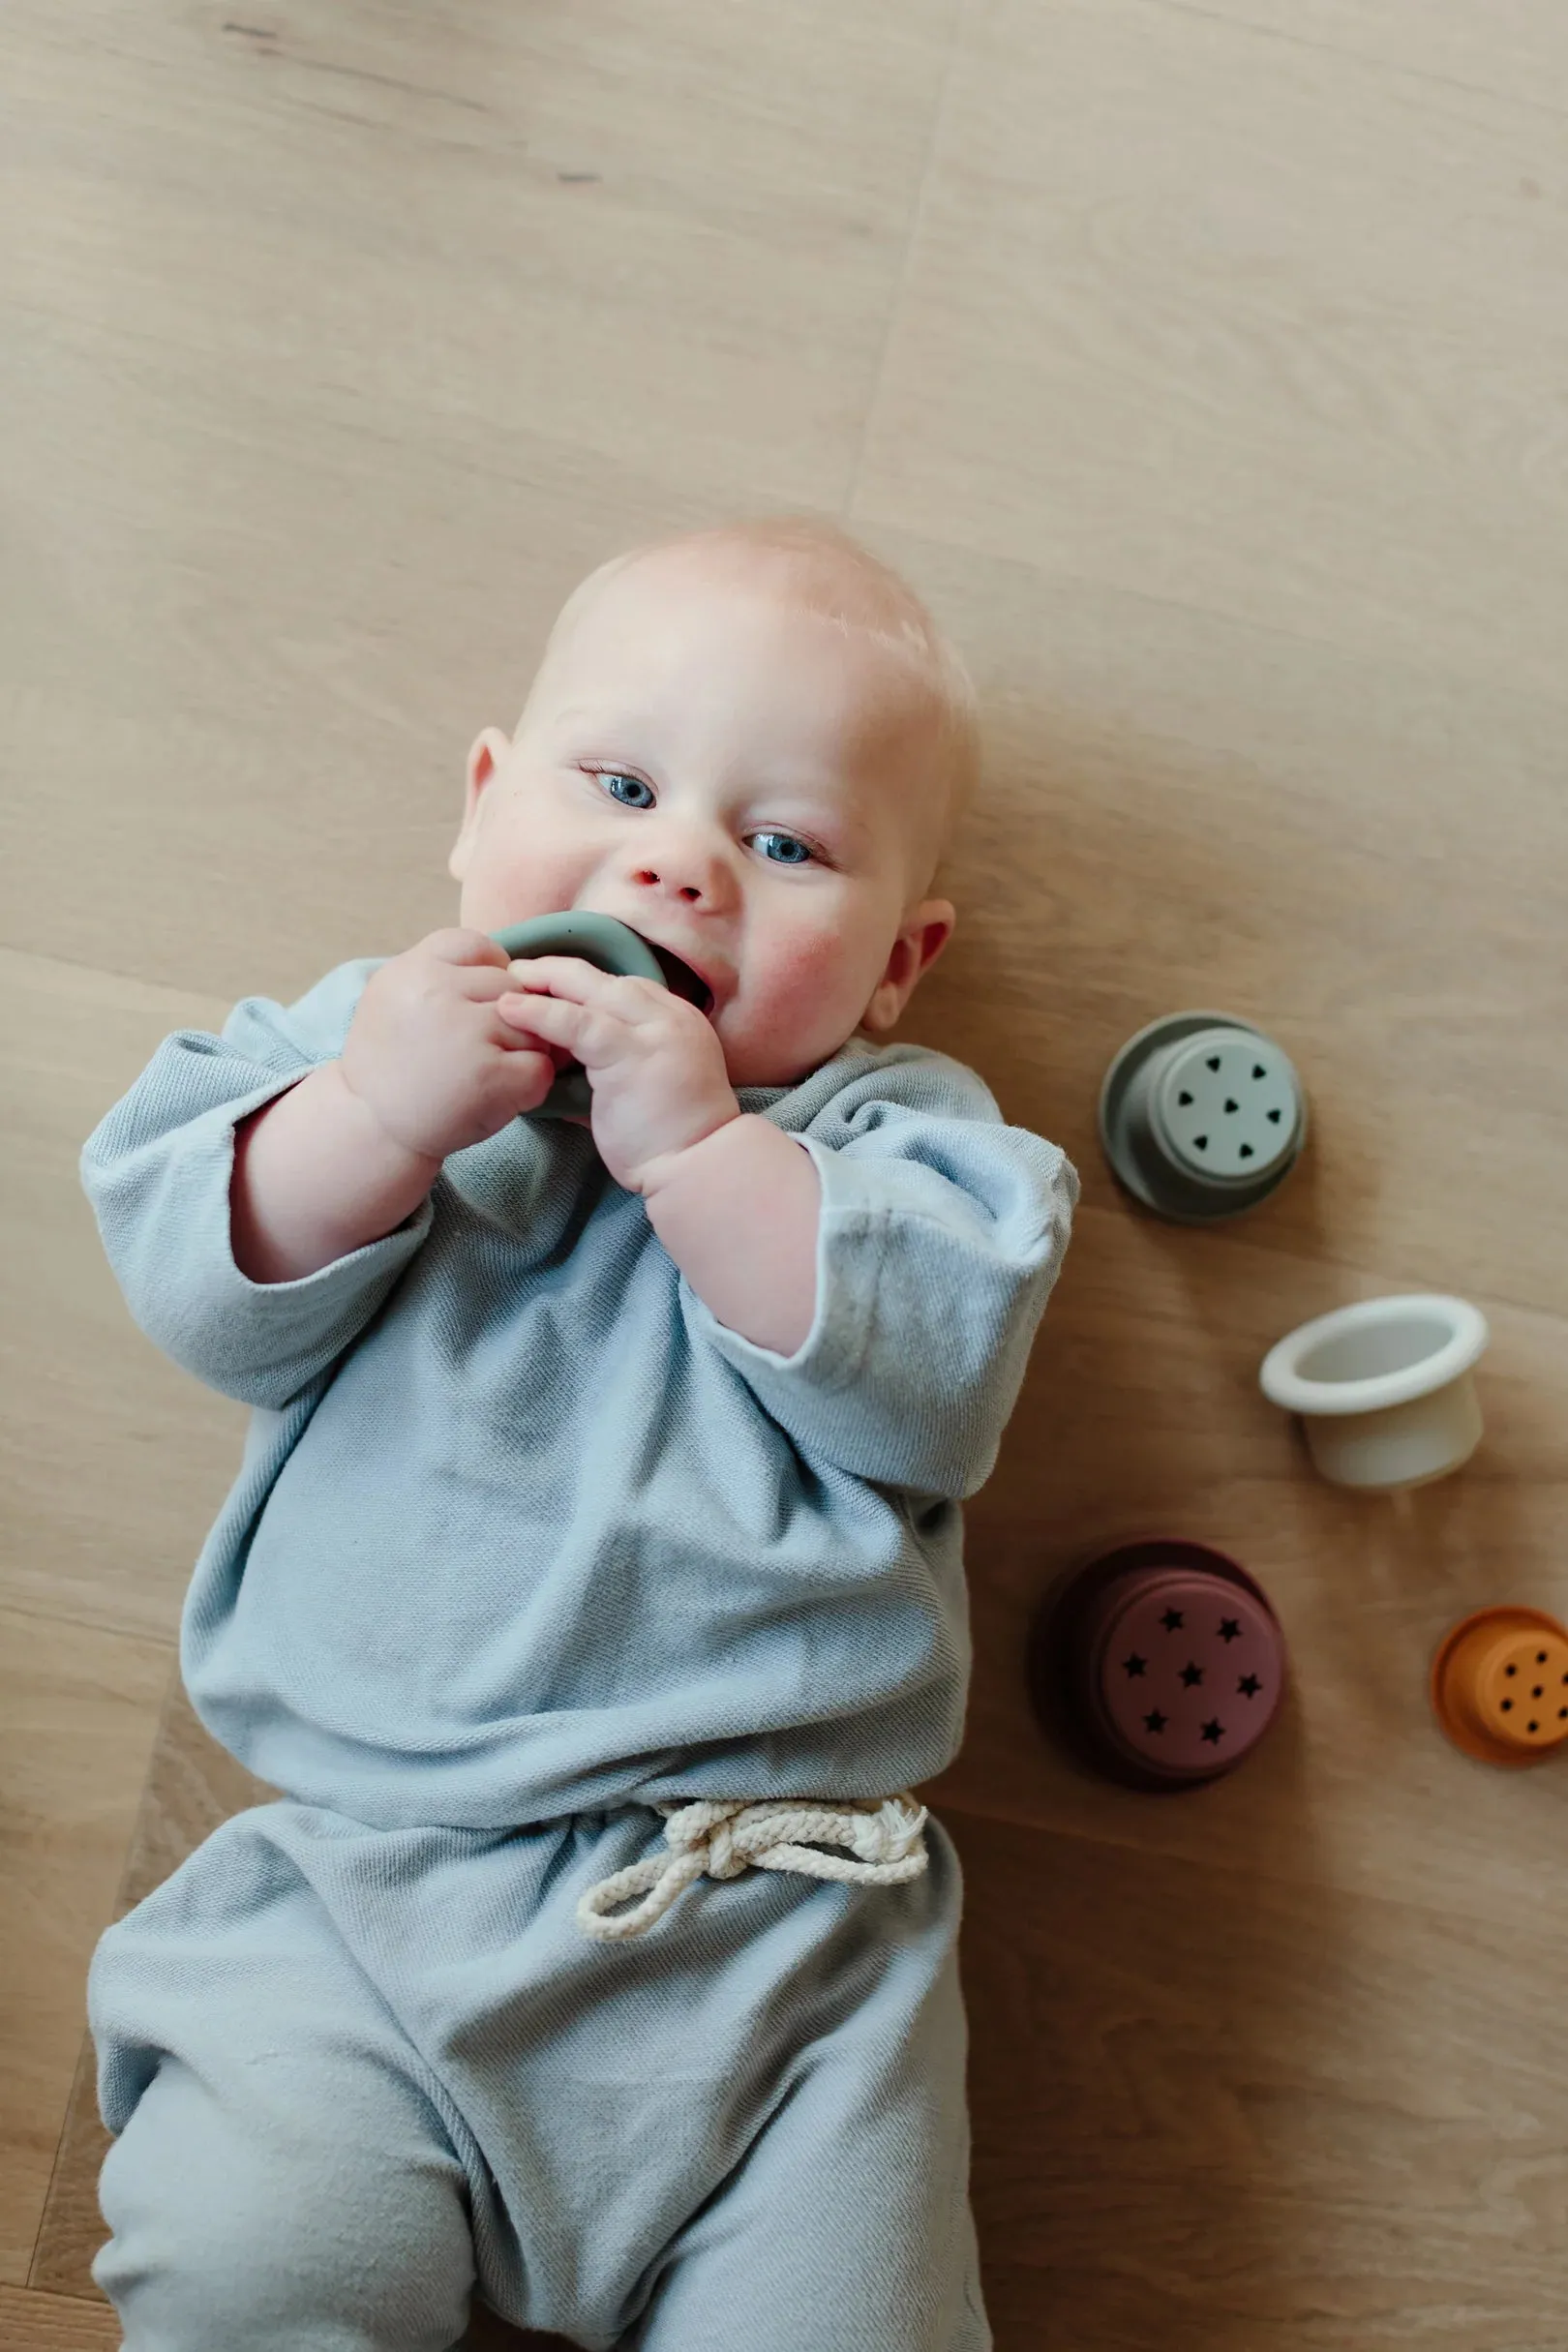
x: 356, y: 2072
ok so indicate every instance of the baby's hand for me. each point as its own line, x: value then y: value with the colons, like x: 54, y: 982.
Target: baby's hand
x: 429, y: 1054
x: 653, y: 1062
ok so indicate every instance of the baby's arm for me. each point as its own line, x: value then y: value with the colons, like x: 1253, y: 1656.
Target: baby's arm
x: 317, y: 1177
x: 940, y: 1233
x: 739, y: 1212
x: 331, y: 1205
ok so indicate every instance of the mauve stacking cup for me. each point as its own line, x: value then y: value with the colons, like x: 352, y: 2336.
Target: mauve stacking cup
x: 1160, y: 1662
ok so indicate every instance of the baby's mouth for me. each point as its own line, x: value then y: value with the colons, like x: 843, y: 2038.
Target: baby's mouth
x: 682, y: 980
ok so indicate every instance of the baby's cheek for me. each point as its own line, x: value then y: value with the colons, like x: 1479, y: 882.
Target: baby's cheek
x: 515, y: 882
x: 809, y: 970
x: 810, y: 995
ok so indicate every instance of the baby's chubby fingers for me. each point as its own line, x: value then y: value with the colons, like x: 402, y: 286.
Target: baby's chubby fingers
x: 429, y: 1054
x: 455, y: 965
x: 459, y: 945
x: 569, y: 976
x: 548, y: 1020
x: 654, y: 1062
x: 575, y: 1005
x: 524, y: 1078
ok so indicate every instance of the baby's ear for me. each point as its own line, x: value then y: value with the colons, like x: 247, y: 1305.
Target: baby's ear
x: 922, y: 935
x: 485, y: 756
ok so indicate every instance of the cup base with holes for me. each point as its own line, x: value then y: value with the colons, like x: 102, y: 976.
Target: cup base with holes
x: 1158, y: 1664
x: 1201, y: 1117
x: 1500, y: 1685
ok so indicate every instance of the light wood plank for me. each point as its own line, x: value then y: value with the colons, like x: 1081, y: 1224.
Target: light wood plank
x: 79, y: 1709
x: 1214, y: 2113
x: 540, y: 217
x: 54, y: 2323
x: 115, y: 1461
x: 1242, y: 324
x: 1512, y: 48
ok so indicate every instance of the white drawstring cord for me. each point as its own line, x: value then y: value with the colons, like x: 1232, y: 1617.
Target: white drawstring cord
x: 726, y: 1836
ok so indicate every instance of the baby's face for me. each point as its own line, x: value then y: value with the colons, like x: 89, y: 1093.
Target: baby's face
x: 743, y: 781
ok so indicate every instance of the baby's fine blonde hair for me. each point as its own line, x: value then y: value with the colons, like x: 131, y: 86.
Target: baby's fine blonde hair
x: 822, y: 568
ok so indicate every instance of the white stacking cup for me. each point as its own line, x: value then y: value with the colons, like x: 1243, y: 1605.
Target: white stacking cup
x: 1384, y: 1388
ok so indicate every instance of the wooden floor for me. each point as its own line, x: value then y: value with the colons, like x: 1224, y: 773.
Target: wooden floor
x: 1208, y: 368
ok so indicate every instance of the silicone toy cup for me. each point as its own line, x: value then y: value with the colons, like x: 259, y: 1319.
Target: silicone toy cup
x: 1383, y: 1389
x: 1161, y: 1663
x: 1201, y: 1116
x: 609, y: 945
x: 1500, y: 1685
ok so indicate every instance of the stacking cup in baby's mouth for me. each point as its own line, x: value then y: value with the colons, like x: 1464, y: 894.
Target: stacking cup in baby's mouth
x: 610, y: 947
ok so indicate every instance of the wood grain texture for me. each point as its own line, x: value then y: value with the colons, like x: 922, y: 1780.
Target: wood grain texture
x: 54, y: 2323
x: 1215, y: 2112
x: 1367, y: 857
x: 1244, y: 324
x: 1513, y: 48
x: 78, y: 1709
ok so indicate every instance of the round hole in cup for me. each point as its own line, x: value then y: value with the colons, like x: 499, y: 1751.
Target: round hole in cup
x: 1397, y: 1345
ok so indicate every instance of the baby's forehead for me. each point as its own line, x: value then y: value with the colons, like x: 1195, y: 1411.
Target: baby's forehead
x: 705, y: 574
x: 633, y: 611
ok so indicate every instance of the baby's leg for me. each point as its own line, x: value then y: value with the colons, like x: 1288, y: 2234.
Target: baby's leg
x: 283, y: 2176
x: 846, y: 2227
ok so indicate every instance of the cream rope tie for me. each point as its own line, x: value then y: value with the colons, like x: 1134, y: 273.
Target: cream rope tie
x: 726, y: 1836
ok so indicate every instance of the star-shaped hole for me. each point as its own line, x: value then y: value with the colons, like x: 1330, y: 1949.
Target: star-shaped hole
x: 1214, y: 1732
x: 1134, y: 1666
x: 1154, y: 1721
x: 1173, y: 1621
x: 1191, y: 1673
x: 1230, y: 1629
x: 1249, y: 1686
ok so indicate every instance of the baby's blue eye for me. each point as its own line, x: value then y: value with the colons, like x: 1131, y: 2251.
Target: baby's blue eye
x: 630, y: 791
x: 786, y: 850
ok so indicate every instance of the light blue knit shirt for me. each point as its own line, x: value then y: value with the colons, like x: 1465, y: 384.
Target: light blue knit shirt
x: 520, y: 1529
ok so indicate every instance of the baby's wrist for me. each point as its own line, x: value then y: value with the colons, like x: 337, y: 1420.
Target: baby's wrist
x: 397, y: 1155
x: 666, y: 1169
x: 314, y: 1180
x: 734, y: 1151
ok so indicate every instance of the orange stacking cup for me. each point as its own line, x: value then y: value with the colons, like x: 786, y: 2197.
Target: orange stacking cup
x: 1500, y: 1685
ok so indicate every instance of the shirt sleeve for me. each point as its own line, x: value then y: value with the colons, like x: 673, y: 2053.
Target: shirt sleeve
x: 942, y: 1233
x: 158, y: 1167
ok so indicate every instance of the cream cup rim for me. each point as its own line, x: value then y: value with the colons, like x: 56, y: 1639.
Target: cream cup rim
x: 1284, y: 1385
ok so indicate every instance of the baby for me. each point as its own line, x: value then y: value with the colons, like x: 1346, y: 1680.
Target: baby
x: 598, y: 1527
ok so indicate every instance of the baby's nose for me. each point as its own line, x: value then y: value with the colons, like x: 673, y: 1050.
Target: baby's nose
x: 690, y: 872
x: 652, y: 878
